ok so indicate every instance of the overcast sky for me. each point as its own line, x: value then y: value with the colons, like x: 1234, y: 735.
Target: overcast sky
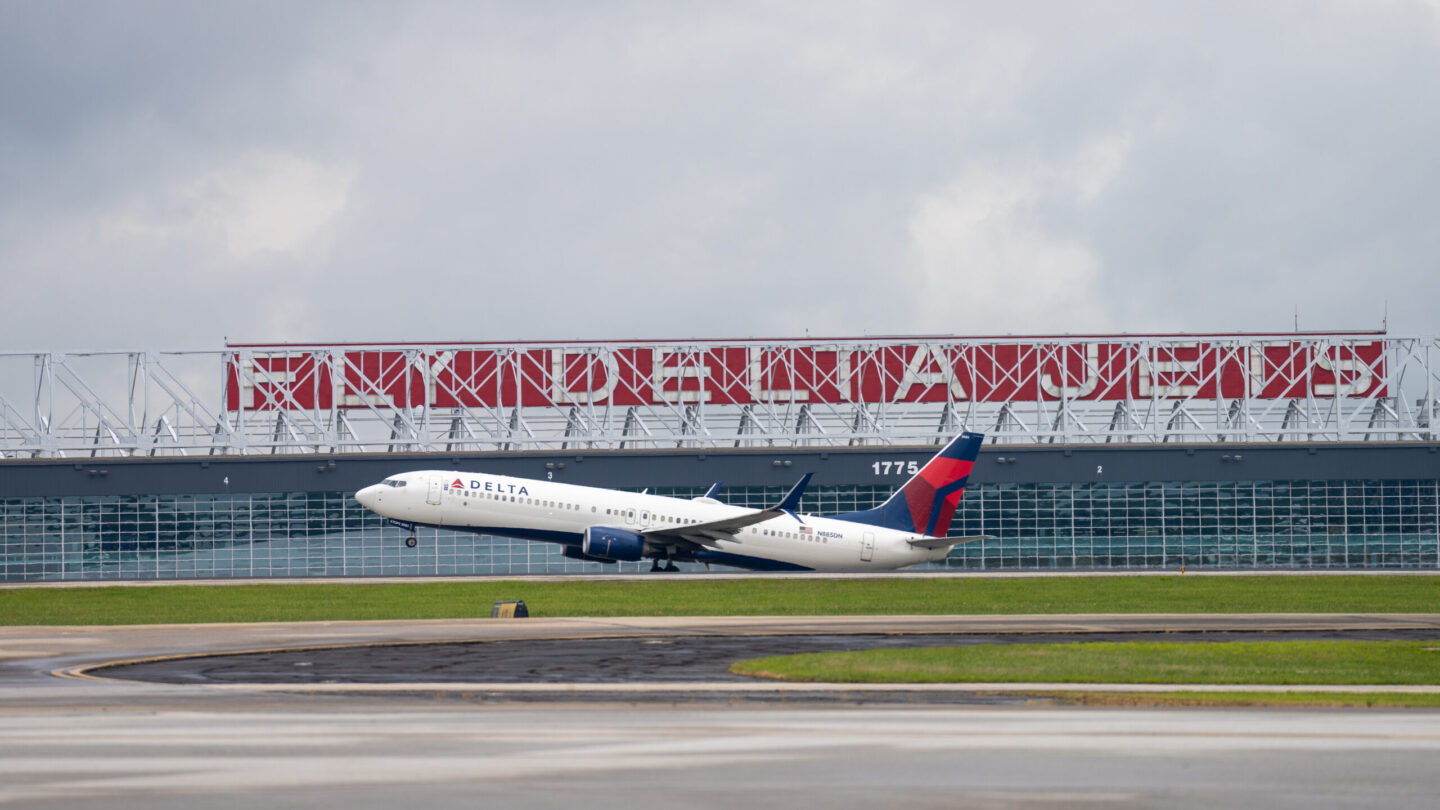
x: 173, y: 174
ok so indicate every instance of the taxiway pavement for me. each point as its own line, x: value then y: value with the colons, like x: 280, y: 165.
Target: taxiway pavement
x: 80, y: 742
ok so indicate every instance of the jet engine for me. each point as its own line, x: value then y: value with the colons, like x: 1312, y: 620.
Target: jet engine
x: 605, y: 543
x: 574, y: 553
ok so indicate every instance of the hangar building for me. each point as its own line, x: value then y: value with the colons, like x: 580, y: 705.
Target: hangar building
x: 1238, y: 451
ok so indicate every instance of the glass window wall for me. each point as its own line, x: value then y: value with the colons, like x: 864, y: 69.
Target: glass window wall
x: 1238, y: 525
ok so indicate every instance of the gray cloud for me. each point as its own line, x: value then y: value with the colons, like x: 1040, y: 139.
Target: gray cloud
x: 173, y: 173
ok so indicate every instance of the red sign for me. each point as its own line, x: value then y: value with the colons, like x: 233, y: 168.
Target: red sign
x: 626, y: 375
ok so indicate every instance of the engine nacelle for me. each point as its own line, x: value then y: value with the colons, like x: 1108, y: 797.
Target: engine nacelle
x: 605, y: 543
x: 574, y: 553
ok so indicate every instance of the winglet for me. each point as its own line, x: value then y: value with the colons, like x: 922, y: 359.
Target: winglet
x: 717, y: 529
x: 792, y: 499
x: 714, y: 488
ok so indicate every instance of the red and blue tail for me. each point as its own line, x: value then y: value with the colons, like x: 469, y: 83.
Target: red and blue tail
x: 927, y: 502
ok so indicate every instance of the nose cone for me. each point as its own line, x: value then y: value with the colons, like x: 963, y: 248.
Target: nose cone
x: 369, y: 497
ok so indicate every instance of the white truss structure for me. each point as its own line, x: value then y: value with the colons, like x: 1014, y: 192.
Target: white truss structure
x: 334, y: 399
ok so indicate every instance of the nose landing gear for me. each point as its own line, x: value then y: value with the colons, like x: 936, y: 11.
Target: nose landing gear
x: 410, y: 542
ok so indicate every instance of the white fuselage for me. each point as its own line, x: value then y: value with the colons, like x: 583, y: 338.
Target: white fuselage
x: 547, y: 510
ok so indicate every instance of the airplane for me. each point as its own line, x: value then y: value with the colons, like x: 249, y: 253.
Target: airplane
x: 609, y: 526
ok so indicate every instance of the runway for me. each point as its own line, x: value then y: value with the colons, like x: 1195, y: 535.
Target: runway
x: 384, y: 754
x: 80, y: 741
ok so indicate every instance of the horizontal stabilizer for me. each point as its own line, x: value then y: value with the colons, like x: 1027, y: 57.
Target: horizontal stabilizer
x: 946, y: 542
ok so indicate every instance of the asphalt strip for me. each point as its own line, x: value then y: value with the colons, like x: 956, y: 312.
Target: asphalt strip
x: 782, y: 687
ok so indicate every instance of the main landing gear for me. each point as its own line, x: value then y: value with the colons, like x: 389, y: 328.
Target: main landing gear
x: 669, y: 566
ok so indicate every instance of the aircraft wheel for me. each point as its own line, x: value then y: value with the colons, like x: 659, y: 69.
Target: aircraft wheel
x: 410, y: 542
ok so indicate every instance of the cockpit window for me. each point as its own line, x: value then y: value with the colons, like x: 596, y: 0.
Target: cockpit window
x: 393, y: 482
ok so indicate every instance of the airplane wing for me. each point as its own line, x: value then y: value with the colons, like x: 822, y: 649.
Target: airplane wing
x: 946, y: 542
x: 705, y: 534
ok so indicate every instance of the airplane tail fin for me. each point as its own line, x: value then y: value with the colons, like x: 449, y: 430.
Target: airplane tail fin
x: 927, y: 502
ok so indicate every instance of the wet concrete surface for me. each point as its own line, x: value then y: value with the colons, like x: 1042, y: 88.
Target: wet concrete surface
x: 669, y: 659
x: 79, y: 742
x: 380, y: 754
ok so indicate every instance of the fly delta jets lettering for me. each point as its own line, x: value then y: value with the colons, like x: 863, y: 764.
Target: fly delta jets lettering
x: 608, y: 526
x: 488, y: 486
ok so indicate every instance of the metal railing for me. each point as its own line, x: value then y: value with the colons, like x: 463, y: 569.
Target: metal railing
x: 352, y: 398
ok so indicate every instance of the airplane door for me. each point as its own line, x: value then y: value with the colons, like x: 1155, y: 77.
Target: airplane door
x: 434, y: 496
x: 867, y: 547
x: 630, y: 517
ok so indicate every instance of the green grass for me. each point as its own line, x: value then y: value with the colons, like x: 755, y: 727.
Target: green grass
x: 1247, y: 662
x: 180, y: 604
x: 1307, y: 699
